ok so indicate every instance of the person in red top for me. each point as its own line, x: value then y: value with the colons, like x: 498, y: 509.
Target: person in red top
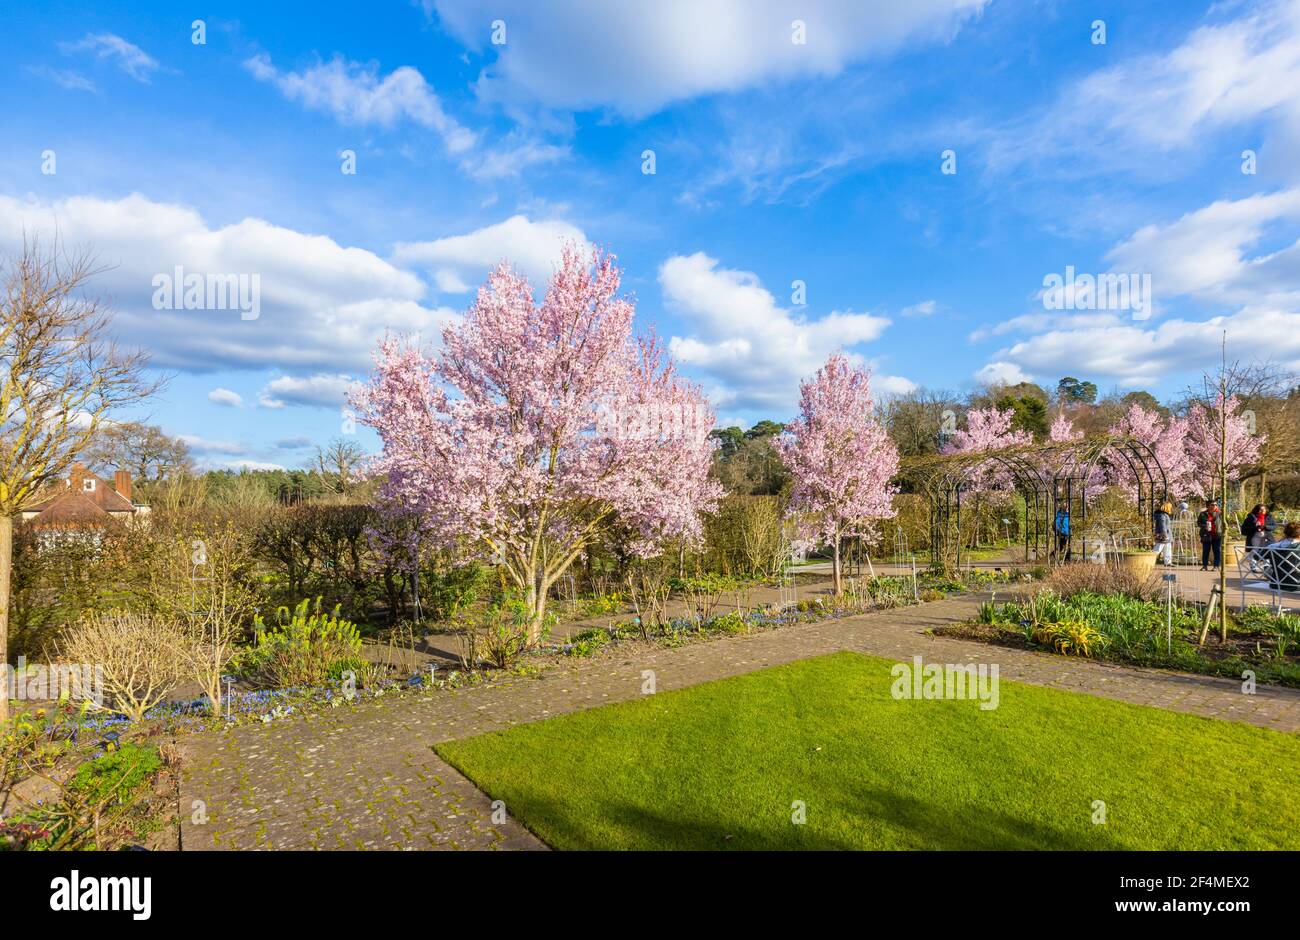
x: 1210, y: 524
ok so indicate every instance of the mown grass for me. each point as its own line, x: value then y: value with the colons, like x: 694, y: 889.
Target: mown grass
x: 720, y: 765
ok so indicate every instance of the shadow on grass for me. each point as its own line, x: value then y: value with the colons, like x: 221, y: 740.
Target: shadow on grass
x: 623, y: 826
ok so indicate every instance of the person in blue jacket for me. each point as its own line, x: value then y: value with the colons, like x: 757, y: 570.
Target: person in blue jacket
x: 1061, y: 526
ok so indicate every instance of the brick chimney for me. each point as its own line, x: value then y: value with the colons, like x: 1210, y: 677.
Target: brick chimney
x: 77, y: 477
x: 122, y: 483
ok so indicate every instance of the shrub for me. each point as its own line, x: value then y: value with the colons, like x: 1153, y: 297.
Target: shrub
x: 304, y: 648
x: 97, y: 807
x: 115, y: 777
x: 448, y: 592
x: 1069, y: 637
x: 498, y: 634
x: 1086, y: 577
x: 730, y: 622
x: 586, y: 642
x: 602, y: 605
x: 142, y: 655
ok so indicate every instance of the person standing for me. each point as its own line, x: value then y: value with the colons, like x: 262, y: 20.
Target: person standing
x: 1210, y: 525
x: 1164, y: 534
x: 1061, y: 526
x: 1257, y: 527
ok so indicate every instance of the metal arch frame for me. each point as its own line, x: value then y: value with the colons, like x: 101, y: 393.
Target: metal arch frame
x: 1048, y: 476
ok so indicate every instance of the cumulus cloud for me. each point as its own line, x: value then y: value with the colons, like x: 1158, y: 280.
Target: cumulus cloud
x: 324, y: 306
x: 355, y: 94
x: 1242, y: 254
x: 1205, y: 252
x: 129, y: 57
x: 753, y: 350
x: 1001, y: 373
x: 637, y: 55
x: 459, y: 262
x: 224, y: 396
x: 320, y: 391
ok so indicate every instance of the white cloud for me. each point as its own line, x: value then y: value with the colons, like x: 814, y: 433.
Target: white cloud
x: 1228, y: 74
x: 1134, y: 355
x: 64, y: 78
x: 356, y: 95
x: 129, y: 57
x: 638, y: 55
x: 320, y: 390
x: 1204, y: 253
x: 460, y: 261
x: 252, y: 465
x: 511, y: 156
x: 1240, y: 254
x: 204, y: 446
x: 224, y: 396
x: 925, y: 308
x: 324, y: 306
x: 1222, y: 75
x: 754, y: 350
x: 892, y: 384
x: 1001, y: 373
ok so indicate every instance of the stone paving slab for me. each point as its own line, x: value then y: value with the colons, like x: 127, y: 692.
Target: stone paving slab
x: 365, y: 776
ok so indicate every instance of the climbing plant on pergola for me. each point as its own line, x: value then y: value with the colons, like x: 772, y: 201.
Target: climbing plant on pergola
x: 1048, y: 476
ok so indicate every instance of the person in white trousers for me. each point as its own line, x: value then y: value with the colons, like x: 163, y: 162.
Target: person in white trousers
x: 1164, y: 534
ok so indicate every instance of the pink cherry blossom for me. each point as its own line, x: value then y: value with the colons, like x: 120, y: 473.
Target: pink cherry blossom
x: 840, y: 456
x: 1205, y: 435
x: 538, y: 425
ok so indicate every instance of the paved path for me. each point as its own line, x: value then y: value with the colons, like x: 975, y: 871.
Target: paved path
x: 365, y: 776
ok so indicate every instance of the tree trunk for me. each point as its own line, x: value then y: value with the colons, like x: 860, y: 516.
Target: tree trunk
x: 6, y: 562
x: 538, y: 606
x: 835, y: 566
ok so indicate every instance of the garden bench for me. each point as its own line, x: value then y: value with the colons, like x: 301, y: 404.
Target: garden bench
x: 1275, y: 571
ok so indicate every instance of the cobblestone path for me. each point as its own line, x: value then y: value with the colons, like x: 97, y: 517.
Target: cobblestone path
x: 365, y: 776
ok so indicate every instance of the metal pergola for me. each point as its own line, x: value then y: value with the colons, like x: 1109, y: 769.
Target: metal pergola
x: 1049, y: 476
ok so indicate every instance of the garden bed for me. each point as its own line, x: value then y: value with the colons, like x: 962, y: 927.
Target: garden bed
x: 1140, y: 631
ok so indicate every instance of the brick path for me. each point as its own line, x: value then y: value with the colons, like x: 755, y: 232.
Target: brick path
x: 365, y: 776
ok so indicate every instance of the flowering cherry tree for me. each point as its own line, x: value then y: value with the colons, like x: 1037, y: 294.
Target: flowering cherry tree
x: 538, y: 425
x: 1220, y: 442
x: 1167, y: 439
x: 840, y: 456
x: 988, y: 429
x: 1063, y: 430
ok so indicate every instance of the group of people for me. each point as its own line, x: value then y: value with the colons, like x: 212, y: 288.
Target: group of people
x: 1257, y: 527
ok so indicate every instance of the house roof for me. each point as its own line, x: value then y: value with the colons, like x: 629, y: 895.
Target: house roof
x: 70, y: 505
x: 72, y: 509
x: 103, y: 496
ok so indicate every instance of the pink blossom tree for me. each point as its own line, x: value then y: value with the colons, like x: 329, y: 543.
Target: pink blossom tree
x: 1220, y: 442
x: 538, y: 425
x: 1063, y: 430
x: 841, y: 459
x: 1167, y: 439
x: 988, y: 429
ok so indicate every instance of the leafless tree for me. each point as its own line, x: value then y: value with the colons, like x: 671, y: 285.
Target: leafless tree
x: 60, y: 376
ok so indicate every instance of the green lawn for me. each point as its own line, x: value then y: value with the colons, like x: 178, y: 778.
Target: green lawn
x: 719, y: 766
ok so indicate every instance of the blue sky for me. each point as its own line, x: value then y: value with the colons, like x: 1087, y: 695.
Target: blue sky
x: 776, y: 161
